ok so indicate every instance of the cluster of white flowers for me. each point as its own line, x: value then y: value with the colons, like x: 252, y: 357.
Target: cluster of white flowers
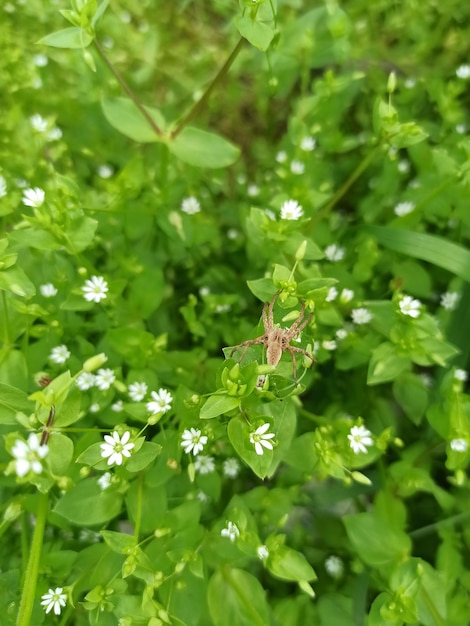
x: 360, y: 439
x: 253, y: 190
x: 190, y: 205
x: 29, y: 455
x: 262, y: 552
x: 95, y: 289
x: 334, y: 253
x: 281, y: 156
x: 332, y: 294
x: 291, y: 210
x: 231, y: 531
x: 361, y: 316
x: 116, y: 447
x: 103, y: 379
x: 193, y: 441
x: 260, y: 438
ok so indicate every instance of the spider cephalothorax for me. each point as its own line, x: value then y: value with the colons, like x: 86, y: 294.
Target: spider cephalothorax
x: 276, y: 340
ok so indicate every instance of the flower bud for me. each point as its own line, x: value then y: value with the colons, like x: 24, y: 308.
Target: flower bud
x: 392, y: 82
x: 299, y: 255
x: 95, y: 362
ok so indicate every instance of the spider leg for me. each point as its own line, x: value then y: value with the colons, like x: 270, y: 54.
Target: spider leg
x: 298, y: 327
x: 304, y: 352
x: 245, y: 345
x: 269, y: 322
x: 293, y: 350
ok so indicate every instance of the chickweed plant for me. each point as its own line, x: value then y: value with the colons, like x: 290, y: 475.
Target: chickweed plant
x: 234, y: 313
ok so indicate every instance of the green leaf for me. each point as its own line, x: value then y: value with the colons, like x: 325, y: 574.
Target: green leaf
x: 386, y: 364
x: 435, y: 250
x: 86, y: 504
x: 13, y: 401
x: 239, y: 434
x: 69, y: 411
x: 202, y: 149
x: 288, y: 564
x: 15, y: 280
x: 68, y: 38
x: 412, y: 396
x: 257, y: 33
x: 60, y: 453
x: 236, y: 598
x: 81, y: 233
x: 262, y: 288
x: 216, y: 405
x: 147, y: 453
x: 119, y: 542
x: 125, y: 117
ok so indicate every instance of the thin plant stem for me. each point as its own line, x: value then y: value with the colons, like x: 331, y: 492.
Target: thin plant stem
x: 194, y: 111
x: 127, y: 89
x: 32, y: 567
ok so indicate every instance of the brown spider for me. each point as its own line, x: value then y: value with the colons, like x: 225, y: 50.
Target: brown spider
x: 276, y: 340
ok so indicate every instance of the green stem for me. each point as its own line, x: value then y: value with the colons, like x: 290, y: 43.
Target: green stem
x: 194, y: 111
x: 127, y: 89
x: 5, y: 317
x: 138, y: 513
x: 32, y: 568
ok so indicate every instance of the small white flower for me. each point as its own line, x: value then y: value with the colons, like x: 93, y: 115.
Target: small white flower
x: 86, y: 380
x: 403, y: 208
x: 105, y: 171
x: 260, y: 438
x: 281, y: 156
x: 232, y: 233
x: 410, y: 82
x: 161, y: 402
x: 137, y: 391
x: 231, y: 531
x: 104, y: 378
x: 40, y: 60
x: 190, y: 205
x: 59, y: 354
x: 202, y: 497
x: 33, y: 197
x: 329, y: 345
x: 361, y: 316
x: 54, y: 134
x: 38, y: 123
x: 403, y: 166
x: 459, y: 445
x: 94, y: 408
x: 231, y: 468
x: 222, y: 308
x: 463, y: 72
x: 116, y: 447
x: 334, y: 253
x: 95, y: 289
x: 427, y: 380
x: 204, y: 464
x: 359, y: 438
x: 48, y: 290
x: 262, y: 552
x: 334, y: 566
x: 28, y: 455
x: 341, y: 333
x: 308, y: 144
x: 104, y: 481
x: 297, y: 167
x: 346, y: 296
x: 118, y: 406
x: 449, y: 300
x: 193, y: 441
x: 253, y: 191
x: 54, y: 599
x: 460, y: 375
x: 332, y: 294
x: 3, y: 187
x: 409, y: 306
x: 461, y: 129
x: 291, y: 210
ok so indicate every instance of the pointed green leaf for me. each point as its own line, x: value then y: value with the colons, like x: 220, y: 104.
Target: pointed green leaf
x: 257, y: 33
x: 13, y: 401
x: 237, y: 598
x: 202, y: 149
x: 68, y: 38
x: 217, y: 405
x: 86, y: 504
x: 125, y: 117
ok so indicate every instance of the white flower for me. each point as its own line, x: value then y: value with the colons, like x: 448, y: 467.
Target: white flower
x: 410, y: 82
x: 308, y: 144
x: 59, y: 354
x: 297, y: 167
x: 359, y: 438
x: 104, y: 378
x: 104, y: 481
x: 253, y: 191
x: 116, y: 447
x: 361, y: 316
x: 204, y: 464
x: 28, y: 456
x: 281, y: 156
x: 403, y: 208
x: 95, y: 289
x: 461, y: 129
x: 190, y: 205
x: 193, y: 441
x: 38, y: 123
x: 291, y: 210
x: 48, y: 290
x: 118, y: 406
x: 231, y: 468
x: 449, y: 300
x: 94, y: 408
x: 232, y: 233
x: 427, y: 380
x: 260, y: 438
x: 460, y: 375
x: 262, y: 552
x: 332, y: 294
x: 463, y: 72
x: 329, y: 345
x: 161, y: 402
x: 341, y: 333
x: 231, y: 531
x: 334, y: 566
x: 222, y: 308
x: 333, y: 252
x: 202, y: 497
x: 3, y: 187
x: 409, y: 306
x: 346, y: 295
x: 54, y: 599
x: 33, y: 197
x: 85, y: 381
x: 54, y: 134
x: 105, y: 171
x: 403, y: 166
x: 40, y: 60
x: 137, y: 391
x: 458, y: 445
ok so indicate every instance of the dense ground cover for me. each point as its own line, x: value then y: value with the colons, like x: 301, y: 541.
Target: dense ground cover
x: 165, y: 171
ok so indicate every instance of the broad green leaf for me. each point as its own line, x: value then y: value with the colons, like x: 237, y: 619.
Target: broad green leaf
x: 13, y: 401
x: 386, y: 364
x: 217, y: 405
x: 412, y: 396
x: 236, y: 598
x: 87, y: 504
x: 262, y: 288
x: 15, y: 281
x: 81, y: 233
x: 74, y: 37
x: 125, y: 117
x: 239, y: 434
x: 257, y: 33
x: 147, y: 453
x: 288, y: 564
x: 68, y: 412
x: 60, y: 453
x: 119, y: 542
x: 203, y: 149
x: 435, y: 250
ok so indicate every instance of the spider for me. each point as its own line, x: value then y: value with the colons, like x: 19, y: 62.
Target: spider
x: 277, y: 340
